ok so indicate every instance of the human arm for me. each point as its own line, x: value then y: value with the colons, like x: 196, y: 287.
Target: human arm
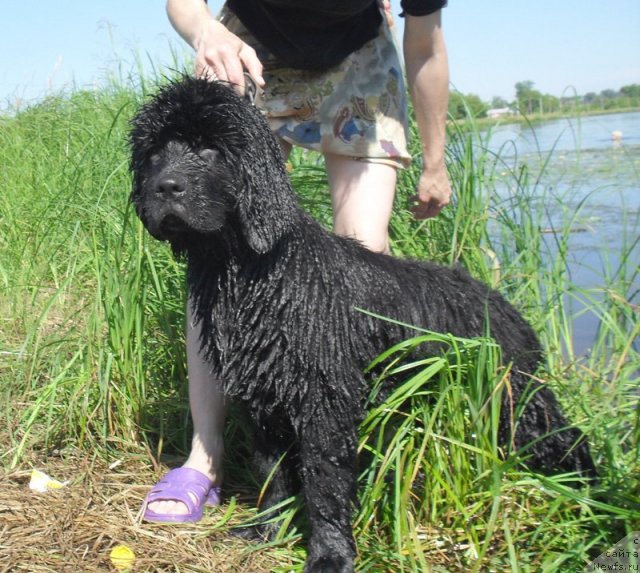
x: 219, y: 53
x: 427, y: 68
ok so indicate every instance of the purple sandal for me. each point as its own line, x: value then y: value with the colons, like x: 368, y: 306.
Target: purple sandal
x: 187, y: 486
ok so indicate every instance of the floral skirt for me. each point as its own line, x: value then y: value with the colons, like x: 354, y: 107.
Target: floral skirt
x: 356, y: 109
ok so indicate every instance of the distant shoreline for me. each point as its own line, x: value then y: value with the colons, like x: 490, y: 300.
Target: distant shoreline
x: 540, y: 117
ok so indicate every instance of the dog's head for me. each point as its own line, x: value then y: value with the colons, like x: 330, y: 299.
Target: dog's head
x: 204, y: 162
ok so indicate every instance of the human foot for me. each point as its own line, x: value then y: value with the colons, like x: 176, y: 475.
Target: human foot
x: 180, y: 496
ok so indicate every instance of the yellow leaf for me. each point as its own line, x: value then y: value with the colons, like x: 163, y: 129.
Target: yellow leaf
x: 122, y: 557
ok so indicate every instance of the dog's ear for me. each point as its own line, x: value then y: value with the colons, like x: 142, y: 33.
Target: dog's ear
x: 266, y: 203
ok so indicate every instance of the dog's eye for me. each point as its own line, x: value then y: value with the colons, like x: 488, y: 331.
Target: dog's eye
x: 209, y: 155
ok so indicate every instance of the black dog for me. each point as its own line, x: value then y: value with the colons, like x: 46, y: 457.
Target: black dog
x: 277, y: 297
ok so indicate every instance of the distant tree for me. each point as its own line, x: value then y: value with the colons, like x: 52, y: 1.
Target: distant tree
x: 529, y: 100
x: 462, y: 106
x: 549, y: 104
x: 568, y: 103
x: 628, y: 96
x: 476, y: 106
x: 498, y: 102
x: 632, y: 91
x: 590, y: 98
x: 608, y: 94
x: 523, y: 89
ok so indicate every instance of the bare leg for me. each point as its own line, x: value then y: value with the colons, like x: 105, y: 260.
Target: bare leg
x: 362, y: 196
x: 207, y: 409
x: 207, y: 412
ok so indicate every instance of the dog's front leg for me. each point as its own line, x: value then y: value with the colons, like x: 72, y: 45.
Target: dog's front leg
x: 328, y: 449
x: 272, y: 460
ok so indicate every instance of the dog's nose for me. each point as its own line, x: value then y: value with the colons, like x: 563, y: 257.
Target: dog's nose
x: 169, y: 185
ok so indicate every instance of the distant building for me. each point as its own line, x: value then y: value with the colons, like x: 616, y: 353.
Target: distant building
x: 499, y: 112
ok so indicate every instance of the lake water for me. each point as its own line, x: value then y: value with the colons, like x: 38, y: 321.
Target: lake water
x: 598, y: 177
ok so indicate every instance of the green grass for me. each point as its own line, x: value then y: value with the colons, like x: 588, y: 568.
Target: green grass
x: 92, y: 351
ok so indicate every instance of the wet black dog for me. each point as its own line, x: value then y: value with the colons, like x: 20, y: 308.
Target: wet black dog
x: 277, y: 297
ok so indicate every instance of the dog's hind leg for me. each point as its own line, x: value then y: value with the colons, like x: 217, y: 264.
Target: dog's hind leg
x: 328, y: 470
x: 542, y: 434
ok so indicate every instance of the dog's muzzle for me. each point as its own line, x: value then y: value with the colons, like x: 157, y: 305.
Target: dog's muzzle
x: 170, y: 187
x: 166, y: 207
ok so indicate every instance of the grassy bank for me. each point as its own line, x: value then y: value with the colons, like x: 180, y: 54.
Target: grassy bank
x: 92, y: 370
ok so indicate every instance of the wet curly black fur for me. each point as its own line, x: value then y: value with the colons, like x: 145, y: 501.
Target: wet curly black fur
x: 277, y: 296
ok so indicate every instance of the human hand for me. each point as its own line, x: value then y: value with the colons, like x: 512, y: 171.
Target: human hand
x: 433, y: 193
x: 221, y: 55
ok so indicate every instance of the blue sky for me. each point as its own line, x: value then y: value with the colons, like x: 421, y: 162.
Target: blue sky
x: 586, y: 45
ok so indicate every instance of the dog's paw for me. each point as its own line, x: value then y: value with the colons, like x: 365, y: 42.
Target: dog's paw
x: 256, y: 533
x: 329, y: 564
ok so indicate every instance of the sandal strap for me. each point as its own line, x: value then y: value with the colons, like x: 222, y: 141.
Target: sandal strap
x: 184, y: 485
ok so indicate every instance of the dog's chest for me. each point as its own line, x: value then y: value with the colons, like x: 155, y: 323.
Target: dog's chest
x: 278, y: 334
x: 252, y: 335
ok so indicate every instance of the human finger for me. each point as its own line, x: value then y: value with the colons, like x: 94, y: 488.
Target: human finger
x: 232, y: 70
x: 252, y: 64
x: 425, y: 209
x: 209, y: 65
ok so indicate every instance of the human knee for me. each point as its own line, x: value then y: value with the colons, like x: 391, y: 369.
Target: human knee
x: 376, y: 242
x: 362, y: 197
x: 373, y: 237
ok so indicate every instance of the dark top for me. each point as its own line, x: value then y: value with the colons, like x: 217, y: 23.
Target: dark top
x: 317, y: 34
